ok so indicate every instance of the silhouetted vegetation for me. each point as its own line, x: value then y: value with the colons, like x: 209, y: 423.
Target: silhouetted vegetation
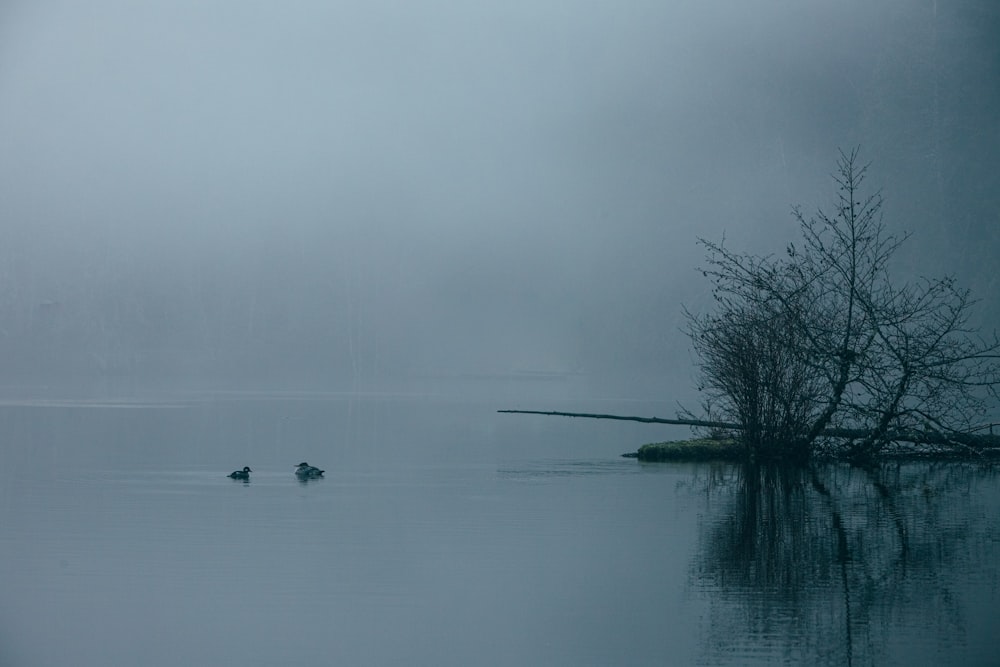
x: 822, y: 340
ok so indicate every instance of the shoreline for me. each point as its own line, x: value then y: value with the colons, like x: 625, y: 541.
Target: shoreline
x: 695, y: 450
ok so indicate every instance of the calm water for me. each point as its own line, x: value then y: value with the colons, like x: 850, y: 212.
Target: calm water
x: 445, y: 534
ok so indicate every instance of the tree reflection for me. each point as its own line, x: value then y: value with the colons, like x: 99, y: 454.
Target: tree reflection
x: 837, y: 565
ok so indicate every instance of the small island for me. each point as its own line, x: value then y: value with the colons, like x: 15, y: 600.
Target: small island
x: 730, y: 449
x: 695, y: 449
x: 819, y: 353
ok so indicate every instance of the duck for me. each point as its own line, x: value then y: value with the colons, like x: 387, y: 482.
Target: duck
x: 241, y: 474
x: 306, y: 471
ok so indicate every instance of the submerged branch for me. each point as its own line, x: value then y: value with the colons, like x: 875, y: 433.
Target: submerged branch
x: 647, y: 420
x: 916, y: 437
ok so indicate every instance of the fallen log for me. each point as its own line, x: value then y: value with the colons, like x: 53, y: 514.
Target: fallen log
x: 648, y: 420
x: 916, y: 437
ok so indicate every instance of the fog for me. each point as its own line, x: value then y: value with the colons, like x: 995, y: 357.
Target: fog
x: 394, y: 194
x: 356, y: 229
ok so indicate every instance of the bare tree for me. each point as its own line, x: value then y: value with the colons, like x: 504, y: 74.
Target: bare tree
x: 821, y: 339
x: 755, y: 374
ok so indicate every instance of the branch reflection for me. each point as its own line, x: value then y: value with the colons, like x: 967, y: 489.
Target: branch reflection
x: 838, y: 565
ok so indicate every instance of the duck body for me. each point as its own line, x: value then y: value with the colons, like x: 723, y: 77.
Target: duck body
x: 306, y: 471
x: 241, y: 474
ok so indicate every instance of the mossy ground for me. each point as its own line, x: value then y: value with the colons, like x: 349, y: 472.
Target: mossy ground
x: 715, y: 449
x: 696, y: 449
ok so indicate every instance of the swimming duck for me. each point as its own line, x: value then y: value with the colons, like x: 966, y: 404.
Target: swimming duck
x: 241, y: 474
x: 306, y: 471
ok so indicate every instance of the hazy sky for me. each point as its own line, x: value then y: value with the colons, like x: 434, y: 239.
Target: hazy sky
x: 456, y: 186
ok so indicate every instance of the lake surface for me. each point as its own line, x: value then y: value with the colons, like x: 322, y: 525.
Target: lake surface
x: 446, y: 534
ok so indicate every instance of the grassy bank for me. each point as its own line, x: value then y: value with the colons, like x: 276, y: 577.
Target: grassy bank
x: 697, y: 449
x: 713, y: 449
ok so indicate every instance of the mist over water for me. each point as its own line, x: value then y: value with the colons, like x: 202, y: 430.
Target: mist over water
x: 249, y: 234
x: 445, y: 545
x: 445, y: 536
